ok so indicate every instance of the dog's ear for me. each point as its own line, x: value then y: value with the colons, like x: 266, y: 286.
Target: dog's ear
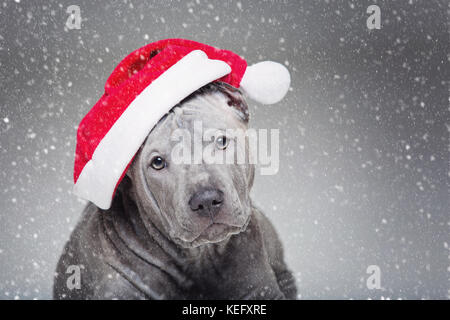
x: 125, y: 183
x: 128, y: 173
x: 236, y: 99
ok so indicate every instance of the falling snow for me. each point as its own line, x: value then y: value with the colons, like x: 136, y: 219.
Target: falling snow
x: 364, y: 132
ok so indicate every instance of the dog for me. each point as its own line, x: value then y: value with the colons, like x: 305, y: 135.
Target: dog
x: 180, y: 231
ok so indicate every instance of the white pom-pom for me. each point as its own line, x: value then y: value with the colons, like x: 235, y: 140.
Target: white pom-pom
x: 266, y: 82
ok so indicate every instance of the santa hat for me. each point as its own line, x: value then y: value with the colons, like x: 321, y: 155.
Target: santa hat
x: 141, y: 90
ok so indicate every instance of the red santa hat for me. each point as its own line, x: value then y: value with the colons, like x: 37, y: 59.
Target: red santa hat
x: 141, y: 90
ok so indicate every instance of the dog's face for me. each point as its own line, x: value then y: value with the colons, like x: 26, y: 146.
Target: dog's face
x: 196, y: 201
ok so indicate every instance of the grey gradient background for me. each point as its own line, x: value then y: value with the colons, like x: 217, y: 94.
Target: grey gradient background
x: 364, y: 131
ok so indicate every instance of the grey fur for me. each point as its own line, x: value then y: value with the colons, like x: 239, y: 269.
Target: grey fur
x: 151, y: 245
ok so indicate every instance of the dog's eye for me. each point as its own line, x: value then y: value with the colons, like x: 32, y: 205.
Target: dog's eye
x: 158, y: 163
x: 221, y: 142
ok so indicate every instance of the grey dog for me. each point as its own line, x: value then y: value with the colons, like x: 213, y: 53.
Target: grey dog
x: 180, y: 231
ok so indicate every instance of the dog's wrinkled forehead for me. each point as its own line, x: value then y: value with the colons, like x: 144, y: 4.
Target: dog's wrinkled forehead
x: 217, y: 98
x: 216, y: 105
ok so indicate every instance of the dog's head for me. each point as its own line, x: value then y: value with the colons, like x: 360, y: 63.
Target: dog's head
x: 186, y: 177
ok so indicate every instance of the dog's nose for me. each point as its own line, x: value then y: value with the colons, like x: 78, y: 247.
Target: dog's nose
x: 206, y: 202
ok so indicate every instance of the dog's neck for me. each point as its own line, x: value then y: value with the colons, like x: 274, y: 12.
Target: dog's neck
x: 129, y: 230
